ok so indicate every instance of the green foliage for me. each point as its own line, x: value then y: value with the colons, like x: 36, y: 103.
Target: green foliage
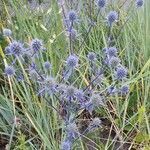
x: 40, y: 126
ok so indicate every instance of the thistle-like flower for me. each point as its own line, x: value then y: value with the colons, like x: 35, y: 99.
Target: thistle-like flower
x: 121, y: 72
x: 47, y: 65
x: 101, y: 3
x: 91, y: 56
x: 114, y: 61
x: 79, y: 95
x: 112, y: 17
x: 139, y: 3
x: 16, y: 48
x: 36, y: 45
x: 70, y: 92
x: 124, y: 89
x: 96, y: 122
x: 72, y: 61
x: 7, y: 32
x: 66, y: 145
x: 97, y: 100
x: 9, y: 70
x: 50, y: 84
x: 72, y: 16
x: 72, y: 131
x: 111, y: 51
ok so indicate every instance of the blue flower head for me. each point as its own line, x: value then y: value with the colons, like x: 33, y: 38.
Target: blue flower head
x: 72, y: 131
x: 79, y: 95
x: 91, y: 56
x: 7, y: 32
x: 16, y: 48
x: 121, y: 72
x: 112, y: 17
x: 101, y: 3
x: 72, y: 61
x: 97, y: 100
x: 50, y: 83
x: 114, y: 61
x: 139, y: 3
x: 48, y: 86
x: 124, y: 89
x: 66, y: 145
x: 111, y: 51
x: 47, y: 65
x: 72, y: 16
x: 36, y: 45
x: 70, y: 92
x: 9, y: 70
x: 96, y: 122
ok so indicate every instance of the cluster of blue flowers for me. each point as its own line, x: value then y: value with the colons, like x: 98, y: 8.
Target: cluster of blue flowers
x: 71, y: 98
x: 118, y: 71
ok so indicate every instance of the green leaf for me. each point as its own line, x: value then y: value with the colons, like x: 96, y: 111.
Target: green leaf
x: 142, y: 137
x: 141, y: 112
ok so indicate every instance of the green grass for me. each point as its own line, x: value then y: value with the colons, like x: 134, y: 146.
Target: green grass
x: 40, y: 126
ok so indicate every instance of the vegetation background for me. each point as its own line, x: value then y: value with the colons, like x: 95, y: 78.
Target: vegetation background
x: 38, y: 125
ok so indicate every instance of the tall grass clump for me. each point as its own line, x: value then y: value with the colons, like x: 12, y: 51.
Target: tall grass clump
x: 75, y: 75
